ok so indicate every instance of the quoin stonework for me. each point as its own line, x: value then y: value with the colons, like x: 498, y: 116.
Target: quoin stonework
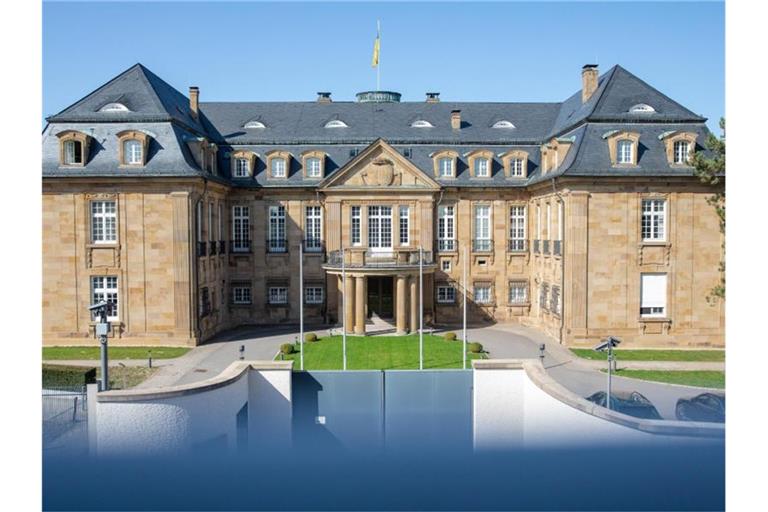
x: 581, y: 218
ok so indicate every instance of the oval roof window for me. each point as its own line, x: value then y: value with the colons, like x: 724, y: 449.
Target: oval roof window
x: 641, y: 108
x: 503, y: 124
x: 336, y: 123
x: 114, y: 107
x: 254, y: 124
x: 421, y: 123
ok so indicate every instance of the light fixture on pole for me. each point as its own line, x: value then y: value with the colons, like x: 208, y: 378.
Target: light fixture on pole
x: 464, y: 331
x: 301, y: 305
x: 607, y: 345
x: 343, y: 311
x: 421, y: 308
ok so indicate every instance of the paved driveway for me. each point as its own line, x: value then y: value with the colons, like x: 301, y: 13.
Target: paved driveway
x: 501, y: 341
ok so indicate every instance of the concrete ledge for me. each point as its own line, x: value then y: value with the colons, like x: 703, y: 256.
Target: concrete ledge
x: 230, y: 374
x: 535, y: 371
x: 497, y: 364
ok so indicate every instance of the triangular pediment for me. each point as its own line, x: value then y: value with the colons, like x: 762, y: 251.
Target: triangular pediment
x: 380, y: 166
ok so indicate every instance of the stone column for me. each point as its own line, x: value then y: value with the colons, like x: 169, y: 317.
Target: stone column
x: 360, y: 290
x: 349, y: 297
x: 414, y: 303
x: 401, y: 319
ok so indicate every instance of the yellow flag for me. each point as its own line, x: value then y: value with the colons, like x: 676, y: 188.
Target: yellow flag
x: 375, y: 59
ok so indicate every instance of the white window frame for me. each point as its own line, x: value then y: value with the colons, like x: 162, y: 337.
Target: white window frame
x: 518, y: 292
x: 445, y: 167
x: 278, y: 295
x: 242, y: 167
x: 104, y: 222
x: 314, y: 294
x: 653, y: 295
x: 133, y: 152
x: 105, y: 288
x: 653, y: 223
x: 517, y: 227
x: 446, y: 227
x: 70, y: 157
x: 681, y: 157
x: 355, y: 226
x: 313, y: 228
x: 516, y: 168
x: 482, y: 293
x: 483, y: 225
x: 446, y: 294
x: 445, y: 265
x: 241, y: 228
x: 404, y: 216
x: 380, y: 228
x: 482, y: 167
x: 625, y: 149
x: 314, y: 167
x: 242, y: 294
x: 278, y: 167
x: 276, y: 233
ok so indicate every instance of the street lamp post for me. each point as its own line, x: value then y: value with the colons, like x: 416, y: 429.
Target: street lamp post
x: 343, y: 311
x: 421, y: 308
x: 301, y: 305
x: 464, y: 331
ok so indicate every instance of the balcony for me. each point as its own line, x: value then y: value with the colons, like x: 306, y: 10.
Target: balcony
x: 518, y: 245
x: 482, y: 245
x: 212, y: 248
x: 545, y: 250
x: 239, y: 246
x: 389, y: 258
x: 537, y: 246
x: 314, y: 246
x: 446, y: 245
x: 222, y: 247
x: 276, y: 245
x: 557, y: 247
x: 202, y: 248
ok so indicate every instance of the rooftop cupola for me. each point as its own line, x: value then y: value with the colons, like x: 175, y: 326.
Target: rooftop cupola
x: 378, y: 97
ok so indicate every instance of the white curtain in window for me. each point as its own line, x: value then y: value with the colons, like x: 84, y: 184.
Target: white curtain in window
x: 653, y: 290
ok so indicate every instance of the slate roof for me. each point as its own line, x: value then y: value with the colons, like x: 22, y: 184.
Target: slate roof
x: 162, y: 111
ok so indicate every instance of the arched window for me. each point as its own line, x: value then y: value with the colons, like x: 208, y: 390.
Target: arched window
x: 624, y: 150
x: 421, y: 123
x: 641, y: 108
x: 503, y: 124
x: 254, y: 125
x: 336, y: 123
x: 133, y: 152
x: 681, y: 149
x: 114, y: 107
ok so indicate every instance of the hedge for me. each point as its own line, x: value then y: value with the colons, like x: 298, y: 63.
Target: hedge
x: 60, y: 376
x: 450, y: 336
x: 475, y: 347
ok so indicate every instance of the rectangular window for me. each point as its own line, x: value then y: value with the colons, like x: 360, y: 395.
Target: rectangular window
x: 682, y: 152
x: 518, y: 292
x: 482, y: 168
x: 483, y: 293
x: 404, y: 235
x: 653, y: 295
x: 653, y: 223
x: 73, y: 152
x: 445, y: 265
x: 276, y: 229
x: 278, y: 168
x: 355, y: 226
x: 313, y: 227
x: 445, y: 167
x: 103, y: 222
x: 241, y: 229
x: 242, y: 168
x: 314, y: 168
x: 482, y: 240
x: 446, y: 294
x: 380, y: 227
x: 445, y: 228
x: 241, y: 294
x: 516, y: 167
x: 624, y: 150
x: 517, y: 233
x: 313, y: 294
x: 104, y: 288
x: 278, y: 295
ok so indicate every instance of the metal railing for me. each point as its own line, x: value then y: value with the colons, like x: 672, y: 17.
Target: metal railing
x: 445, y: 245
x: 65, y: 411
x: 239, y: 246
x: 277, y: 245
x: 482, y: 245
x: 518, y: 245
x: 202, y: 248
x: 557, y: 247
x: 376, y: 258
x: 314, y: 245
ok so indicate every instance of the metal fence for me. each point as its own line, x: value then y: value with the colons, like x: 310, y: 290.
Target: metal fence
x: 65, y: 415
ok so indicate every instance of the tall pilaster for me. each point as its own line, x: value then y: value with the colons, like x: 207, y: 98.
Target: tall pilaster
x: 349, y: 305
x: 414, y: 303
x: 401, y: 319
x: 360, y: 290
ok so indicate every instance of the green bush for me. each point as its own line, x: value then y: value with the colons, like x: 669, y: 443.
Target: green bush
x: 310, y: 337
x: 286, y: 348
x: 59, y: 376
x: 475, y: 347
x: 449, y: 336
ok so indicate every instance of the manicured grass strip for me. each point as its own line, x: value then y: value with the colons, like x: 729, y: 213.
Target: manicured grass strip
x: 704, y: 378
x: 78, y: 353
x: 127, y: 377
x: 381, y: 353
x: 654, y: 355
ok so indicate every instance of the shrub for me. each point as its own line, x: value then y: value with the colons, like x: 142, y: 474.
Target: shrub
x: 449, y: 336
x: 59, y: 376
x: 310, y: 337
x: 475, y: 347
x: 286, y: 348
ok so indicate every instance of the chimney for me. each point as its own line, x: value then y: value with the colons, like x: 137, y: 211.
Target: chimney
x: 433, y: 97
x: 323, y: 97
x: 194, y: 96
x: 456, y: 119
x: 588, y: 81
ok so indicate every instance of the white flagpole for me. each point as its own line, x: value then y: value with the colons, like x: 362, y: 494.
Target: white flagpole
x: 464, y: 335
x: 421, y: 308
x: 343, y: 311
x: 301, y: 304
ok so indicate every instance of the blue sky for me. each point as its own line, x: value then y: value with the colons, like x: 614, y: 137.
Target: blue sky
x: 289, y: 51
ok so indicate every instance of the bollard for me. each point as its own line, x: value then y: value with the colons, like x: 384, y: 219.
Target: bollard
x: 542, y: 347
x: 150, y: 358
x: 242, y: 352
x: 74, y: 411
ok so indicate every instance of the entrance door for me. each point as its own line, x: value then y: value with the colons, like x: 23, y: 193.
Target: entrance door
x: 380, y: 297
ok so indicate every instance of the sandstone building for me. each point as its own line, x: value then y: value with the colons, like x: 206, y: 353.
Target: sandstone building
x: 581, y: 218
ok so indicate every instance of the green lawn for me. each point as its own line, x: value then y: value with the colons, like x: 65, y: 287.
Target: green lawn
x: 381, y: 353
x: 705, y: 379
x: 654, y: 355
x: 78, y: 353
x: 126, y: 377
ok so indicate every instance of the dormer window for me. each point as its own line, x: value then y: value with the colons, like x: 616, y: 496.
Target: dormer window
x: 445, y: 167
x: 624, y: 152
x: 641, y: 108
x: 278, y: 167
x: 336, y: 123
x: 480, y: 163
x: 482, y: 168
x: 682, y: 151
x: 132, y: 152
x: 444, y: 163
x: 313, y: 163
x: 73, y: 152
x: 515, y: 163
x: 73, y: 148
x: 503, y: 124
x: 314, y: 168
x: 242, y: 168
x: 278, y: 164
x: 421, y: 123
x: 114, y: 107
x: 253, y: 125
x: 243, y: 163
